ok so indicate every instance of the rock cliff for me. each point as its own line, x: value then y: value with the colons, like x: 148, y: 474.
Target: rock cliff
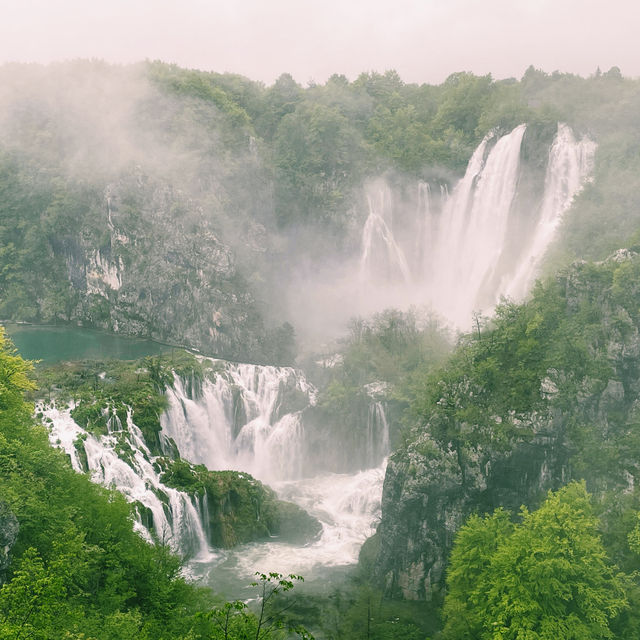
x: 546, y: 394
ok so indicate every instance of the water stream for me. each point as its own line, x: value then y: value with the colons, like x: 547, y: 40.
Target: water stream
x: 246, y: 418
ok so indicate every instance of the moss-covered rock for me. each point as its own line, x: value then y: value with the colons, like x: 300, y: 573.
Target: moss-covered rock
x: 240, y: 508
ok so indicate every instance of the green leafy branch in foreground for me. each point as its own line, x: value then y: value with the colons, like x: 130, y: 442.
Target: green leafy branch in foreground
x: 233, y: 621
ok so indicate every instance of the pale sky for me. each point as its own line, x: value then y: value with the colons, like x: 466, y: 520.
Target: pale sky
x: 424, y: 40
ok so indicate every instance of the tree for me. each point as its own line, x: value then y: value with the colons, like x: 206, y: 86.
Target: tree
x: 545, y: 579
x: 234, y: 621
x: 476, y: 543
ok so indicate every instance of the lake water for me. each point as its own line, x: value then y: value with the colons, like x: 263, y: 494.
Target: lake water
x: 55, y: 344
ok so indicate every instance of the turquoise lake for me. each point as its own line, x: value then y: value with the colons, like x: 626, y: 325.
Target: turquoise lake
x: 55, y: 344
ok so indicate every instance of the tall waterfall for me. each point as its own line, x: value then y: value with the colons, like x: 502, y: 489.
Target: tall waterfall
x: 463, y: 251
x: 570, y: 164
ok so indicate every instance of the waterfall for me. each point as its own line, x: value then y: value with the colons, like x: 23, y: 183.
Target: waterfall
x: 570, y: 164
x: 474, y: 222
x: 382, y: 258
x: 240, y: 420
x: 176, y: 520
x: 246, y: 418
x: 463, y: 252
x: 377, y: 443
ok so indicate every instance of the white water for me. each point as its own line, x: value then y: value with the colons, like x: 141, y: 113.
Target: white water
x: 461, y: 253
x: 347, y: 505
x: 570, y: 164
x: 178, y: 524
x: 240, y: 419
x: 381, y: 257
x: 237, y: 422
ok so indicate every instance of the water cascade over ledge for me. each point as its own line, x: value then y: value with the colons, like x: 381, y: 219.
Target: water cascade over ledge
x: 460, y: 253
x: 246, y: 418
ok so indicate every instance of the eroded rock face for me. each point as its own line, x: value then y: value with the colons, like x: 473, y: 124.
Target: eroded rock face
x: 425, y: 501
x: 430, y: 489
x: 9, y: 528
x: 163, y: 272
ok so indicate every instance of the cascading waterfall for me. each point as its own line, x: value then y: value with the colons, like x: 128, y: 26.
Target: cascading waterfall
x: 246, y: 418
x: 176, y: 520
x: 238, y: 421
x: 473, y: 244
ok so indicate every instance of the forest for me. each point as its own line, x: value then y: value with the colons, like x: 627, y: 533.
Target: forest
x: 203, y: 211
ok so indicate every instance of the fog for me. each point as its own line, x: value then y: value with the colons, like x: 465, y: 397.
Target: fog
x: 446, y: 242
x: 424, y: 40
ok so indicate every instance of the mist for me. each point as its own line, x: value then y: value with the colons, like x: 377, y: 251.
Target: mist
x: 262, y: 206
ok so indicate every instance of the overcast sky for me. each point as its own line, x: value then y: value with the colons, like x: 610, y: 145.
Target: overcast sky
x: 424, y: 40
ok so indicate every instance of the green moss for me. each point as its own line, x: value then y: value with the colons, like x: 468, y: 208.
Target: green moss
x: 241, y: 509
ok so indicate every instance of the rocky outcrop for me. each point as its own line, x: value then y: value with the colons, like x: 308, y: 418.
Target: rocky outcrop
x: 238, y: 508
x: 163, y: 272
x: 584, y: 426
x: 425, y: 500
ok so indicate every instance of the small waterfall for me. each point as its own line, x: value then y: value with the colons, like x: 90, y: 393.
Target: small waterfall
x: 377, y: 446
x: 382, y: 259
x: 176, y: 520
x: 266, y: 442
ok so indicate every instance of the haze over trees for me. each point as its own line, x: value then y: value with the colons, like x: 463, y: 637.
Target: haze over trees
x: 187, y: 206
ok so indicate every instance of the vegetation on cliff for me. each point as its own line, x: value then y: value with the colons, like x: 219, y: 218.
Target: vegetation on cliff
x: 542, y: 394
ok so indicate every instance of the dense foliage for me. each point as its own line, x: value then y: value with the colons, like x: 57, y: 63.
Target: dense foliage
x: 77, y: 568
x: 546, y: 577
x: 77, y: 565
x: 376, y: 361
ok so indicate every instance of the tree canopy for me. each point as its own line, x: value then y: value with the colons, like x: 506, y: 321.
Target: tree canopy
x: 544, y: 578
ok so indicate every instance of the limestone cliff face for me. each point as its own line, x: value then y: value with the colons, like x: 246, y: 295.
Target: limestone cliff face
x: 160, y: 269
x: 585, y: 425
x: 132, y: 204
x: 425, y: 501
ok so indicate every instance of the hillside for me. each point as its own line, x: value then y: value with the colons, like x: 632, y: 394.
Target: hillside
x: 197, y: 208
